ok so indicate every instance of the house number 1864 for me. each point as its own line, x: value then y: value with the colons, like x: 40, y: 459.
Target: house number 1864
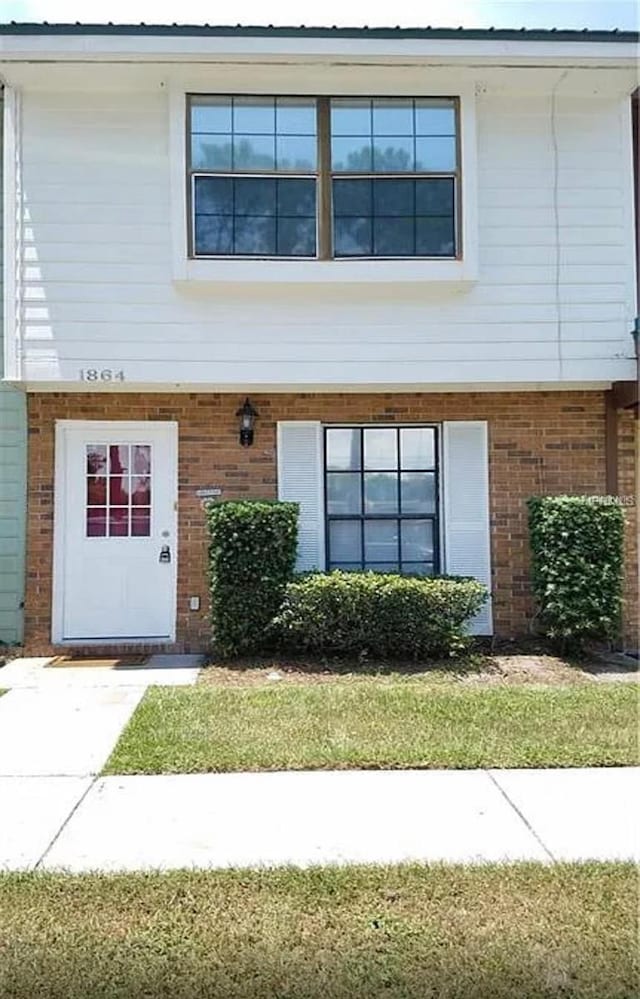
x: 101, y: 375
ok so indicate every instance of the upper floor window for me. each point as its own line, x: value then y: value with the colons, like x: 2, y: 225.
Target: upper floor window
x: 324, y: 178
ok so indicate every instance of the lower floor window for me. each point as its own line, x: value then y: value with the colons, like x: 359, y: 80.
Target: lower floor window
x: 381, y: 499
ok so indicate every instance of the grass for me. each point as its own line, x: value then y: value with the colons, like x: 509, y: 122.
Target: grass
x: 495, y: 932
x: 378, y: 723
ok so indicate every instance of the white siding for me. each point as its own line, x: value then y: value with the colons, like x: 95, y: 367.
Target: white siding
x: 98, y: 289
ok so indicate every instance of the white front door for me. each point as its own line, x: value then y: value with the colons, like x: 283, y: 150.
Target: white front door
x: 115, y: 532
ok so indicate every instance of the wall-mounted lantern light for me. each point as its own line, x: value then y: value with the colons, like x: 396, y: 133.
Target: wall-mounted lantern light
x: 247, y: 415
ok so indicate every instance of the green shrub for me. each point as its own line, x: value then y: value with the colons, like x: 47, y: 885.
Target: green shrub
x: 577, y: 556
x: 252, y: 555
x: 347, y: 613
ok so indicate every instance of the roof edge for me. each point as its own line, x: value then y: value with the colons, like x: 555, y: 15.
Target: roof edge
x: 262, y: 31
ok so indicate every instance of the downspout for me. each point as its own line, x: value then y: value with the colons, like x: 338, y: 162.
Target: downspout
x: 635, y: 138
x: 624, y: 395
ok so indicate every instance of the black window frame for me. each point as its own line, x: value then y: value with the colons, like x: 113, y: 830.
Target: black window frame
x: 399, y: 516
x: 324, y: 176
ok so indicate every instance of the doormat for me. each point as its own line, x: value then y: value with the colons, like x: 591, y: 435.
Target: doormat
x: 109, y: 662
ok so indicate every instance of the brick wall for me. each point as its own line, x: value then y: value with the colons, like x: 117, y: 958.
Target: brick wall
x: 544, y: 442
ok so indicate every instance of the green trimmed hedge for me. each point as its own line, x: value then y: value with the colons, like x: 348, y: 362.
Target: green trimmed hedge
x: 252, y: 556
x: 398, y: 617
x: 577, y: 560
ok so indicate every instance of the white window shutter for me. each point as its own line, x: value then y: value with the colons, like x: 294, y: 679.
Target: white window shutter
x: 465, y: 479
x: 300, y: 479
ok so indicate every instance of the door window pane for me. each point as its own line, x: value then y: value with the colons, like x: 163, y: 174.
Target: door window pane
x: 141, y: 459
x: 118, y: 490
x: 141, y: 490
x: 97, y: 522
x: 343, y: 493
x: 380, y: 492
x: 343, y: 449
x: 380, y: 448
x: 344, y: 541
x: 118, y: 522
x: 96, y: 490
x: 96, y: 459
x: 380, y: 541
x: 141, y: 522
x: 118, y: 459
x: 118, y: 503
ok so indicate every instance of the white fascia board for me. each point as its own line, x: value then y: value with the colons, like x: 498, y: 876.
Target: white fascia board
x: 289, y: 388
x: 154, y: 48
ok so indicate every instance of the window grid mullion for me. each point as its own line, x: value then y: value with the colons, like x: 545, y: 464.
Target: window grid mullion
x: 324, y: 211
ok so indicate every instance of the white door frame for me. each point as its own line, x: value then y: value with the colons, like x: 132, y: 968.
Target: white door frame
x: 60, y: 515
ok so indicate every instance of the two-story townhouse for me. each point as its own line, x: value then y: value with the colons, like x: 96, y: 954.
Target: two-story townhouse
x: 389, y: 274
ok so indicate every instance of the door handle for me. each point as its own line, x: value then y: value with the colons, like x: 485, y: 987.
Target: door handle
x: 165, y: 554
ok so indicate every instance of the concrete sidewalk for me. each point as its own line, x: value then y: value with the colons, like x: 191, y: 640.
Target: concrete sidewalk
x: 324, y: 817
x: 58, y: 727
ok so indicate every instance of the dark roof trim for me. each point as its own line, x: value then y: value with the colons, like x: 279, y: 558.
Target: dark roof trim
x: 210, y: 30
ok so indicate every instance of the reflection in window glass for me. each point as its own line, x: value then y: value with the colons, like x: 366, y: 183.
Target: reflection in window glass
x: 381, y: 498
x: 266, y: 214
x: 384, y: 217
x: 118, y: 490
x: 393, y: 176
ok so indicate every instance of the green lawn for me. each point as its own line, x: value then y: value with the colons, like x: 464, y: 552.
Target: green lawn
x: 513, y: 932
x: 378, y: 724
